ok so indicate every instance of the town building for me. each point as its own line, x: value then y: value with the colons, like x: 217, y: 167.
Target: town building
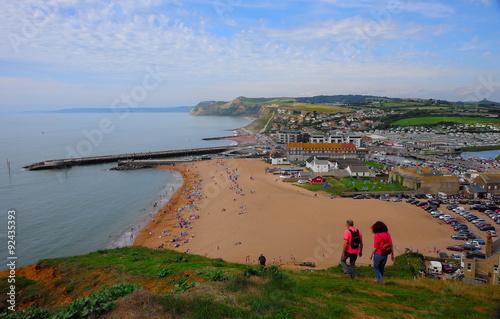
x: 299, y: 152
x: 320, y: 165
x: 483, y: 268
x: 286, y: 137
x: 338, y: 137
x: 425, y: 180
x: 489, y: 182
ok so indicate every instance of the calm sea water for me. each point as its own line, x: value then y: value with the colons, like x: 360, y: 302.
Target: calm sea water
x: 83, y: 209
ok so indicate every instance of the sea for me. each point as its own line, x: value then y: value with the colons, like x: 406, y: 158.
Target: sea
x: 58, y: 213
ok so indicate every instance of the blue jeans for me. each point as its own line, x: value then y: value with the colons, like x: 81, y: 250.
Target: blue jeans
x: 349, y: 271
x: 379, y: 265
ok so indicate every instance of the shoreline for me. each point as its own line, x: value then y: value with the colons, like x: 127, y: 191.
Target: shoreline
x: 167, y: 211
x: 129, y: 235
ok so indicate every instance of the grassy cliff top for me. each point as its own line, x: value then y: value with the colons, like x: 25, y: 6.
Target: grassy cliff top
x: 138, y: 282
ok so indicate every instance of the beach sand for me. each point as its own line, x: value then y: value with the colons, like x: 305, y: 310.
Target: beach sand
x: 258, y: 213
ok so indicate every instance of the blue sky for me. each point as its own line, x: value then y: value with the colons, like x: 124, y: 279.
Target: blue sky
x: 68, y: 53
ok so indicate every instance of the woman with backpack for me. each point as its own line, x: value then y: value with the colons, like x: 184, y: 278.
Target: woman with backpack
x: 382, y: 243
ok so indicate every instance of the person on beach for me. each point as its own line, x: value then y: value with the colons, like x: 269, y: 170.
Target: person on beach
x: 353, y: 246
x: 382, y: 244
x: 262, y: 260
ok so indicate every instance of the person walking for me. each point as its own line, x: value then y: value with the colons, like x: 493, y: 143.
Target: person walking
x: 353, y: 247
x: 382, y: 244
x: 262, y: 260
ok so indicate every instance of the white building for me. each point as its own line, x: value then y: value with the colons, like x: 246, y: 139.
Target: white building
x: 338, y: 137
x: 320, y: 165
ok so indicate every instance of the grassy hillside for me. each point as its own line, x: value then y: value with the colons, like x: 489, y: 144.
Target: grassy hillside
x: 143, y: 283
x: 434, y: 120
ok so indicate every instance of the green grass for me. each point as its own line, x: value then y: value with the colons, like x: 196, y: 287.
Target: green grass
x: 480, y: 148
x: 370, y: 185
x: 373, y: 164
x: 337, y: 187
x: 202, y: 288
x: 435, y: 120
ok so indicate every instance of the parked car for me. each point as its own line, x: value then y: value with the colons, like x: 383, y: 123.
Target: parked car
x: 478, y: 221
x: 444, y: 216
x: 460, y: 227
x: 469, y: 247
x: 493, y: 233
x: 483, y: 225
x: 447, y: 268
x: 397, y: 199
x: 474, y: 243
x: 455, y: 248
x: 471, y: 217
x: 479, y: 241
x: 451, y: 221
x: 487, y: 227
x: 459, y: 236
x: 455, y: 256
x: 443, y: 255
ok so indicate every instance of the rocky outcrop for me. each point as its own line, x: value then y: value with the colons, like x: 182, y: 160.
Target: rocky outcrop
x: 237, y: 107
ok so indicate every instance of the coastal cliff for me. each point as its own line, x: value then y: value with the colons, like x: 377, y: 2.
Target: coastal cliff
x: 240, y: 106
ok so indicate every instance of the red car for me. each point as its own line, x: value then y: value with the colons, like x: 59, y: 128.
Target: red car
x: 455, y: 248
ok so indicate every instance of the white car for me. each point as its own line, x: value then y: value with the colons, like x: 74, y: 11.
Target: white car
x: 444, y: 216
x: 493, y: 233
x: 302, y: 181
x: 474, y: 243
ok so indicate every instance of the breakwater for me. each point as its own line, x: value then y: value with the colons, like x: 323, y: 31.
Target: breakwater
x: 69, y: 162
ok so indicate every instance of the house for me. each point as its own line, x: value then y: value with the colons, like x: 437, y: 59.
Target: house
x: 305, y: 174
x: 316, y: 180
x: 278, y: 159
x: 425, y: 180
x: 483, y: 269
x: 489, y: 182
x: 320, y: 165
x: 358, y: 170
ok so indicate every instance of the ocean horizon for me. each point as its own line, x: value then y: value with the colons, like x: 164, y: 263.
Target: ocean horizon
x: 82, y: 209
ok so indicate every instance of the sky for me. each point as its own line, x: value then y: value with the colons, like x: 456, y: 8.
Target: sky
x: 160, y: 53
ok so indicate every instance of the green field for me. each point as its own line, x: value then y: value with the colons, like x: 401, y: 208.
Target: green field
x: 309, y: 107
x: 434, y: 120
x: 337, y: 187
x: 371, y: 185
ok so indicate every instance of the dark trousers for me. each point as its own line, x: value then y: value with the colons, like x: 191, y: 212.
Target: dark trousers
x: 349, y: 270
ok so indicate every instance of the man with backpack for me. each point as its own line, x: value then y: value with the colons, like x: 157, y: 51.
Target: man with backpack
x: 353, y: 246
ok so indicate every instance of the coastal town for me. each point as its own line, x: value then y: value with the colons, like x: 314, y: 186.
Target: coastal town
x: 408, y: 170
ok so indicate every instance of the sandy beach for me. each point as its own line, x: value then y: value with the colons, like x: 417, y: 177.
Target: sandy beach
x: 234, y: 210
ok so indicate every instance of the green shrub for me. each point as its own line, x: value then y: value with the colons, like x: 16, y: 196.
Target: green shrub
x: 164, y: 272
x: 100, y: 302
x: 182, y: 286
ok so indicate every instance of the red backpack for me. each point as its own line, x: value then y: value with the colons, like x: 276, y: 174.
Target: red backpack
x: 386, y: 248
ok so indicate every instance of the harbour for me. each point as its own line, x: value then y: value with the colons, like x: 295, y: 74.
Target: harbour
x: 93, y: 160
